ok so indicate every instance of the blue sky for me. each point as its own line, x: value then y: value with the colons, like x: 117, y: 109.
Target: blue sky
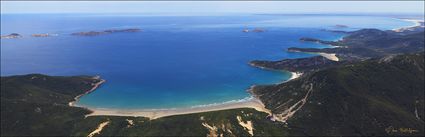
x: 192, y: 7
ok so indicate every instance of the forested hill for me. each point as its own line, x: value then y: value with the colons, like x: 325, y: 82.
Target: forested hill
x: 370, y: 43
x: 376, y: 97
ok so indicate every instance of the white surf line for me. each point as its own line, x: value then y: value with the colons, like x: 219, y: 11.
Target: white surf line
x: 252, y: 102
x: 158, y: 113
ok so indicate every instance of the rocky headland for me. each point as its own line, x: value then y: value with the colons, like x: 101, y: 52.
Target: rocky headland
x: 376, y: 88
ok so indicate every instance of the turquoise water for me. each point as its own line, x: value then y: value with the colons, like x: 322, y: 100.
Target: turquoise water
x: 177, y: 61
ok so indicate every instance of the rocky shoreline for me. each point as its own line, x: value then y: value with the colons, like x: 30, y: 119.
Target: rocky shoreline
x: 95, y: 86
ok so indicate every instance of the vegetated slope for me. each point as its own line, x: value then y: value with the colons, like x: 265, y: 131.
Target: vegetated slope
x: 216, y: 123
x: 38, y: 105
x: 375, y: 97
x: 297, y: 65
x: 370, y: 43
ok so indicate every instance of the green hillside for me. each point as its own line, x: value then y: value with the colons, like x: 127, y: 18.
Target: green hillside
x: 365, y: 98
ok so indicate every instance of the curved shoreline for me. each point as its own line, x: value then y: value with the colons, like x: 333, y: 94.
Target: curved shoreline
x: 95, y: 86
x: 251, y: 102
x: 417, y: 23
x: 158, y: 113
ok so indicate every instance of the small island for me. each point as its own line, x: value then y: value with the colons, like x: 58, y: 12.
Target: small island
x: 11, y: 36
x: 43, y: 35
x: 340, y: 26
x: 254, y: 30
x: 109, y: 31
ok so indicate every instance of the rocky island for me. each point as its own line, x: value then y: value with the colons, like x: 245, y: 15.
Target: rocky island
x: 11, y: 36
x: 43, y: 35
x: 340, y: 26
x: 257, y: 30
x: 109, y: 31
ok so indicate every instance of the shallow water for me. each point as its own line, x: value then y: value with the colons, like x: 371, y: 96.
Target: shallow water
x: 177, y: 61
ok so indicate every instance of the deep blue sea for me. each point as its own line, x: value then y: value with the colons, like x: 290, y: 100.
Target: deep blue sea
x: 176, y: 61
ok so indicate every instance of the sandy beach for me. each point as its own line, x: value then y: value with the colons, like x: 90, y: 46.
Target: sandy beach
x: 330, y: 56
x: 294, y: 75
x: 418, y: 23
x: 157, y: 113
x: 250, y: 102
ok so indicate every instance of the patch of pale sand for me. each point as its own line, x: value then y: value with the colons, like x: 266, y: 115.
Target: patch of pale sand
x: 130, y: 122
x: 224, y: 128
x: 98, y: 129
x: 247, y: 125
x: 418, y: 23
x: 157, y: 113
x: 212, y: 130
x: 294, y: 75
x: 330, y: 56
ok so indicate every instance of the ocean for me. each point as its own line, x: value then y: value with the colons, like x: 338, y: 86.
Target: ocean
x: 176, y: 61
